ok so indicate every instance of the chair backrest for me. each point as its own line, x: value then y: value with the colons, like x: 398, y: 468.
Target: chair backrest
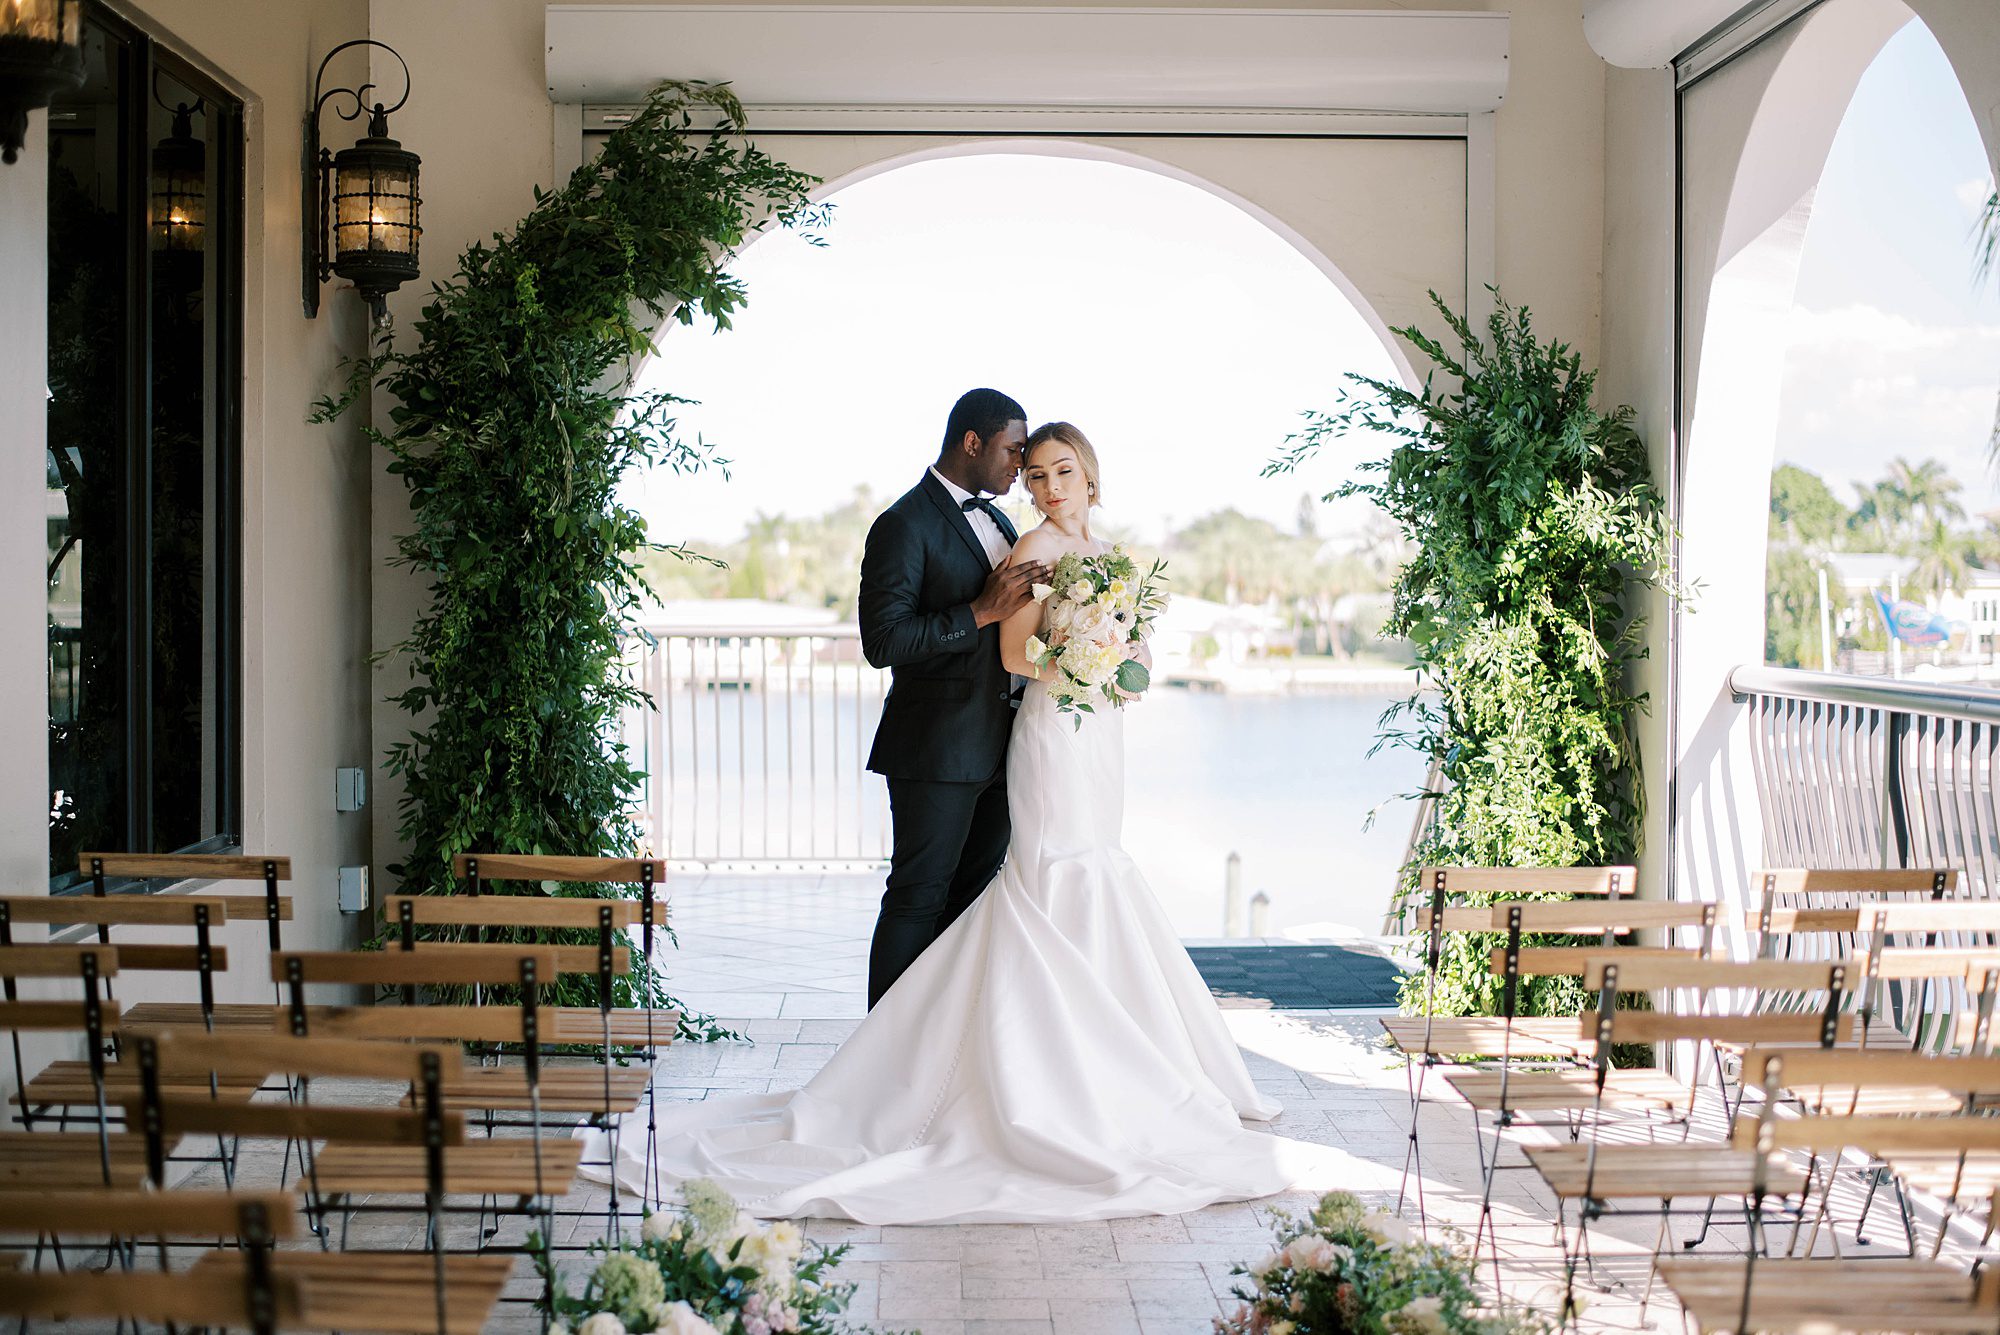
x: 182, y: 1053
x: 1434, y: 882
x: 100, y: 867
x: 478, y: 868
x: 1570, y: 916
x: 256, y: 1299
x: 1874, y: 1070
x: 457, y: 1024
x: 539, y: 911
x: 492, y: 965
x: 148, y: 1214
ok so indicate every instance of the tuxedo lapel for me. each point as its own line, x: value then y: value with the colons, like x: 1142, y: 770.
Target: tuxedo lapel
x: 956, y: 519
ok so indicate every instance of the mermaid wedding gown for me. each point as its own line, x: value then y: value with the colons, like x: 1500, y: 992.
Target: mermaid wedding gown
x: 1054, y: 1056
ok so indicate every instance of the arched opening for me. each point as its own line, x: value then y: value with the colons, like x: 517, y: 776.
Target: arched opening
x: 1184, y: 331
x: 1824, y: 184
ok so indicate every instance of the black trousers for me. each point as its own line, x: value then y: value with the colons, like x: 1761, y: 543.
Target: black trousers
x: 949, y: 841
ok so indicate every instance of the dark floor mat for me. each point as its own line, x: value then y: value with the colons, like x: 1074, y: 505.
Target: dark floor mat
x: 1295, y: 978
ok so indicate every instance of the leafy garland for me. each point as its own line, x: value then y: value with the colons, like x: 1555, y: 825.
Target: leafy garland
x: 1534, y: 524
x: 515, y: 422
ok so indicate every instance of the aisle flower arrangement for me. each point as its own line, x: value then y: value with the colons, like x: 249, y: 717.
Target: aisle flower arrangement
x: 1348, y: 1270
x: 710, y: 1269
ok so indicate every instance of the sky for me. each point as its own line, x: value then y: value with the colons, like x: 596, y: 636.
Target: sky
x: 1180, y: 334
x: 1895, y: 347
x: 1184, y: 337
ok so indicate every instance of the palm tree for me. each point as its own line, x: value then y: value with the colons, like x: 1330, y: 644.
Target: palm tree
x: 1941, y: 553
x: 1927, y: 490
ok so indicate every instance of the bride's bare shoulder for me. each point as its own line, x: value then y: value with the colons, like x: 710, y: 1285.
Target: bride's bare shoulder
x: 1040, y: 544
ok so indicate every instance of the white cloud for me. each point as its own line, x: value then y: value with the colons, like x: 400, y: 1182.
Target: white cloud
x: 1864, y: 385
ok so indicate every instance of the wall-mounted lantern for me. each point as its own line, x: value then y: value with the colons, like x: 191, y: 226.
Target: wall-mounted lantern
x: 179, y: 213
x: 360, y: 203
x: 41, y: 54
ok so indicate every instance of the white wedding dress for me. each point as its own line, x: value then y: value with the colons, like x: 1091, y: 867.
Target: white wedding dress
x: 1054, y: 1056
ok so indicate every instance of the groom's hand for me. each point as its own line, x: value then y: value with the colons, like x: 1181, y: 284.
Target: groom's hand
x: 1008, y: 590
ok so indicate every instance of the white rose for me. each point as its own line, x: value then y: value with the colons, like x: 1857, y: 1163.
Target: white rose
x: 1061, y: 614
x: 1311, y: 1252
x: 1269, y: 1262
x: 657, y: 1228
x: 1035, y: 648
x: 1082, y: 591
x: 1420, y: 1314
x: 604, y: 1323
x: 1386, y: 1229
x: 1281, y: 1327
x: 1093, y: 623
x: 680, y: 1319
x: 1040, y: 591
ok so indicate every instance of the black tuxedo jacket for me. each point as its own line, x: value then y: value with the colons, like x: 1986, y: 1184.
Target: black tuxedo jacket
x: 949, y: 709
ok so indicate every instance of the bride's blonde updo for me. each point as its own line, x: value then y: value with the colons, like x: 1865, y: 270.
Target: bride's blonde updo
x: 1065, y: 434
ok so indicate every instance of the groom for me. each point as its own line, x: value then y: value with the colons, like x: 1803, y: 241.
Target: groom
x: 932, y: 600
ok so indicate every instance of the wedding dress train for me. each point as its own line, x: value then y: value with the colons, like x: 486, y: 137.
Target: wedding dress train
x: 1054, y: 1056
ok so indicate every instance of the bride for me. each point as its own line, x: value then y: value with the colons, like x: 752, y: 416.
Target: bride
x: 1053, y: 1056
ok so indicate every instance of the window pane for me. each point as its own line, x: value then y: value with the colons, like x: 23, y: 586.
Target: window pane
x: 185, y: 424
x: 88, y: 461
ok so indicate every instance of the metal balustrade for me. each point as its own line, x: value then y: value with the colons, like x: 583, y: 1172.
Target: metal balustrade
x: 756, y: 750
x: 1860, y: 772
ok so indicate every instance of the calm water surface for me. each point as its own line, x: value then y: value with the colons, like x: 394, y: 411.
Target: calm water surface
x: 1285, y: 782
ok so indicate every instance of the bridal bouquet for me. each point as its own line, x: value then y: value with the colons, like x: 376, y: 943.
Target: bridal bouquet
x: 709, y: 1270
x: 1347, y: 1270
x: 1092, y: 609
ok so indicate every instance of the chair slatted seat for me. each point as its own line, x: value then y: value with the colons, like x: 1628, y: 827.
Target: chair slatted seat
x: 1823, y: 1295
x: 1664, y: 1172
x: 388, y: 1292
x: 69, y: 1160
x: 507, y: 1167
x: 564, y: 1089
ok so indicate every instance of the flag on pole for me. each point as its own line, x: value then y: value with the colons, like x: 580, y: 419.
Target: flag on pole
x: 1912, y: 623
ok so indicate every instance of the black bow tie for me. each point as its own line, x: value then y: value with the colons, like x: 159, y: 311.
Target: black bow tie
x: 971, y: 503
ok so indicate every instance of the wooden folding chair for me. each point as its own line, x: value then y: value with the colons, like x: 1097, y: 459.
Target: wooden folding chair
x: 255, y: 1286
x: 272, y: 908
x: 1598, y: 1178
x: 532, y: 1170
x: 1428, y: 1040
x: 49, y: 1094
x: 255, y: 1299
x: 644, y: 1027
x: 1764, y: 1293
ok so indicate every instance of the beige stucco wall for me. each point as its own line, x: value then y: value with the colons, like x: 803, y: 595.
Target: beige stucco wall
x: 306, y: 507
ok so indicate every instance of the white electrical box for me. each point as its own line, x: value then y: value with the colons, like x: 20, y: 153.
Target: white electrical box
x: 354, y: 889
x: 350, y: 789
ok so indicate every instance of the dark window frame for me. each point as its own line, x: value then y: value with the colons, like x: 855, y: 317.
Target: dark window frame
x: 223, y: 600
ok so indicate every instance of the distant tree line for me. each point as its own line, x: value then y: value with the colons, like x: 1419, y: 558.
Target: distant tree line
x: 1916, y: 511
x: 1224, y: 556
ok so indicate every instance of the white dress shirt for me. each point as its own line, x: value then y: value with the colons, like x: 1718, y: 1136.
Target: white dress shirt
x: 983, y: 528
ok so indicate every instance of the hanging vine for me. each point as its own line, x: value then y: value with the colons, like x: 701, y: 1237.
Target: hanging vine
x: 515, y: 421
x: 1535, y: 530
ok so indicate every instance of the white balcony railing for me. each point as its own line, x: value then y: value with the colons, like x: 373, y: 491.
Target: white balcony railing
x: 756, y: 751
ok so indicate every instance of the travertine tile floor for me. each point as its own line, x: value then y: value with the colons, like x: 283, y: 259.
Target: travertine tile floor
x: 782, y: 958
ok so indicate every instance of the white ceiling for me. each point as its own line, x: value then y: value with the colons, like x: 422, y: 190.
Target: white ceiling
x: 1013, y: 58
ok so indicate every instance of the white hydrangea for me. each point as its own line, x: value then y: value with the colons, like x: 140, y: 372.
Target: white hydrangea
x: 680, y: 1319
x: 604, y: 1323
